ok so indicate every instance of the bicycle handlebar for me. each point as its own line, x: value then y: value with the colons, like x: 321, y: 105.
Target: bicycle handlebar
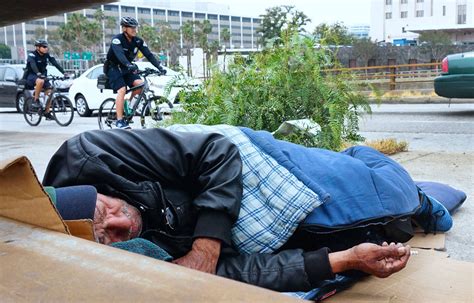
x: 56, y: 78
x: 149, y: 71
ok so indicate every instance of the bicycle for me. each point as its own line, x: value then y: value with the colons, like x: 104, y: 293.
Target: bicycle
x: 61, y: 107
x: 146, y: 104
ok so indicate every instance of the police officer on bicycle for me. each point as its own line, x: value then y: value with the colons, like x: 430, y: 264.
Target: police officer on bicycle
x: 119, y: 67
x: 36, y: 72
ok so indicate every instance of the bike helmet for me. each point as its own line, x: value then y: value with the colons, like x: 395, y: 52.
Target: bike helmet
x: 41, y: 42
x: 128, y: 22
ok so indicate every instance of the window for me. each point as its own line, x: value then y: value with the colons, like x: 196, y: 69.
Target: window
x: 173, y: 13
x: 419, y: 13
x: 404, y: 14
x: 388, y: 2
x: 112, y: 8
x: 212, y: 17
x: 403, y: 1
x: 10, y: 74
x: 145, y: 11
x: 462, y: 14
x: 388, y: 15
x: 128, y: 9
x: 160, y: 12
x: 237, y: 19
x: 420, y: 1
x: 187, y: 14
x: 94, y: 74
x: 2, y: 73
x: 200, y: 16
x: 246, y: 20
x: 225, y: 18
x: 444, y: 10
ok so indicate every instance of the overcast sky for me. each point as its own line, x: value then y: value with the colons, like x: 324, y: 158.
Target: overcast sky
x: 348, y: 11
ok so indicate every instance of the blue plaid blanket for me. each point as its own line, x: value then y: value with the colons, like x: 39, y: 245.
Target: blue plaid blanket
x: 274, y: 200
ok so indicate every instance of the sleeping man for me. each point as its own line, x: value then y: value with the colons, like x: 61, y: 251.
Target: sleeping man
x: 237, y: 203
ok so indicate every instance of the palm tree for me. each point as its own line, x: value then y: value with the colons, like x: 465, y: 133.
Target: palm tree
x: 187, y: 30
x: 169, y: 41
x: 225, y: 36
x: 204, y: 29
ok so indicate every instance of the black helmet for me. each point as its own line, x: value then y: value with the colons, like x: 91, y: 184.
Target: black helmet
x: 128, y: 22
x: 41, y: 42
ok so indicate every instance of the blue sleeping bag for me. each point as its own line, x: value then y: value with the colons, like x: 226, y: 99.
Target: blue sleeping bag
x: 358, y: 186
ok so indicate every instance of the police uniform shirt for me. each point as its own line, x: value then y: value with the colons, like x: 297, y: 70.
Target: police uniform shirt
x: 37, y: 63
x: 122, y: 52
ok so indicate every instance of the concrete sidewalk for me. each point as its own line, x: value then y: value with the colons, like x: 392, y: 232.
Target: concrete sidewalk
x: 456, y: 170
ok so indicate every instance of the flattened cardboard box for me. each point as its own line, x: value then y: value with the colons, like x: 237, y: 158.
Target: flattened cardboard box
x: 429, y: 276
x: 23, y: 199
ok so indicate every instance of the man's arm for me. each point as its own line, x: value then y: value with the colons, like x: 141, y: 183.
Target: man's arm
x: 31, y: 60
x: 142, y: 46
x: 55, y: 63
x: 296, y: 270
x: 203, y: 256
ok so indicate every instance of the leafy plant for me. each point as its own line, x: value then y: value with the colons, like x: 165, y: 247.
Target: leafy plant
x: 285, y: 82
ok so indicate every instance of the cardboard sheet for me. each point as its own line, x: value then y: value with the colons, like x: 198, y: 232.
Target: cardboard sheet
x: 22, y: 197
x: 428, y: 241
x: 428, y: 277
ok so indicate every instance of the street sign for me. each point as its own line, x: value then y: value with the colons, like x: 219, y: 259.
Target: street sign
x: 86, y: 55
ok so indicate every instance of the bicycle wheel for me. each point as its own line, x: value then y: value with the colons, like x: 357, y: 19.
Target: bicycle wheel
x: 107, y: 114
x: 63, y: 110
x: 151, y: 115
x: 32, y: 112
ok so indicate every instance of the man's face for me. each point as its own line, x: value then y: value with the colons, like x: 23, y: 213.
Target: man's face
x: 131, y: 31
x: 42, y: 49
x: 115, y: 220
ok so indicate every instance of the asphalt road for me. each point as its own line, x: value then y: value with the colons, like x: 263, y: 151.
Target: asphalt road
x: 441, y: 148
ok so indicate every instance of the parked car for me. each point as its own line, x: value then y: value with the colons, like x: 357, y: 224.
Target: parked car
x: 457, y: 77
x: 88, y: 97
x: 13, y: 96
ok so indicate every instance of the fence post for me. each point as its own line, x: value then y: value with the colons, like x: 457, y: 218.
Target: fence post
x: 393, y: 70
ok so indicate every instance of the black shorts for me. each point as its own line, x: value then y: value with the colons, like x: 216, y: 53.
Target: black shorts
x: 31, y: 82
x: 117, y: 79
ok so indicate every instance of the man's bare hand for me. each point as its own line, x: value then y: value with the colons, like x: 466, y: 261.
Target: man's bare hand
x: 203, y: 256
x: 380, y: 261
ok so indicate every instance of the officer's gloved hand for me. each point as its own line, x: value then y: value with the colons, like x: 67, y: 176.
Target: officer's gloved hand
x: 132, y: 68
x: 162, y: 71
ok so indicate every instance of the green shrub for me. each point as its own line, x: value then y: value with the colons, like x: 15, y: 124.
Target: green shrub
x: 283, y: 82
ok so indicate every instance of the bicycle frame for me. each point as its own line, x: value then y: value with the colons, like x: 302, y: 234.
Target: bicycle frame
x: 53, y: 92
x: 143, y: 96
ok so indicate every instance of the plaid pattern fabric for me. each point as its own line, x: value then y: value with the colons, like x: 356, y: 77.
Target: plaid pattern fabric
x: 274, y: 201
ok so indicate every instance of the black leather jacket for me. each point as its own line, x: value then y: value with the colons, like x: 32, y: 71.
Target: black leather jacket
x: 186, y: 185
x: 37, y: 63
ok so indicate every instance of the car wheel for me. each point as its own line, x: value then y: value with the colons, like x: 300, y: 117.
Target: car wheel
x: 82, y: 107
x: 20, y: 101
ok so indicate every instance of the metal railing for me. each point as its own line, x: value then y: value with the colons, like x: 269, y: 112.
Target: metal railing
x: 76, y: 66
x: 393, y: 74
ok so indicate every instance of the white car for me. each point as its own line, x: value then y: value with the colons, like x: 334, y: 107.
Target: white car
x: 87, y: 97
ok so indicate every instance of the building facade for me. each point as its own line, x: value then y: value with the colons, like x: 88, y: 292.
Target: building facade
x: 359, y: 30
x: 406, y: 19
x: 243, y: 30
